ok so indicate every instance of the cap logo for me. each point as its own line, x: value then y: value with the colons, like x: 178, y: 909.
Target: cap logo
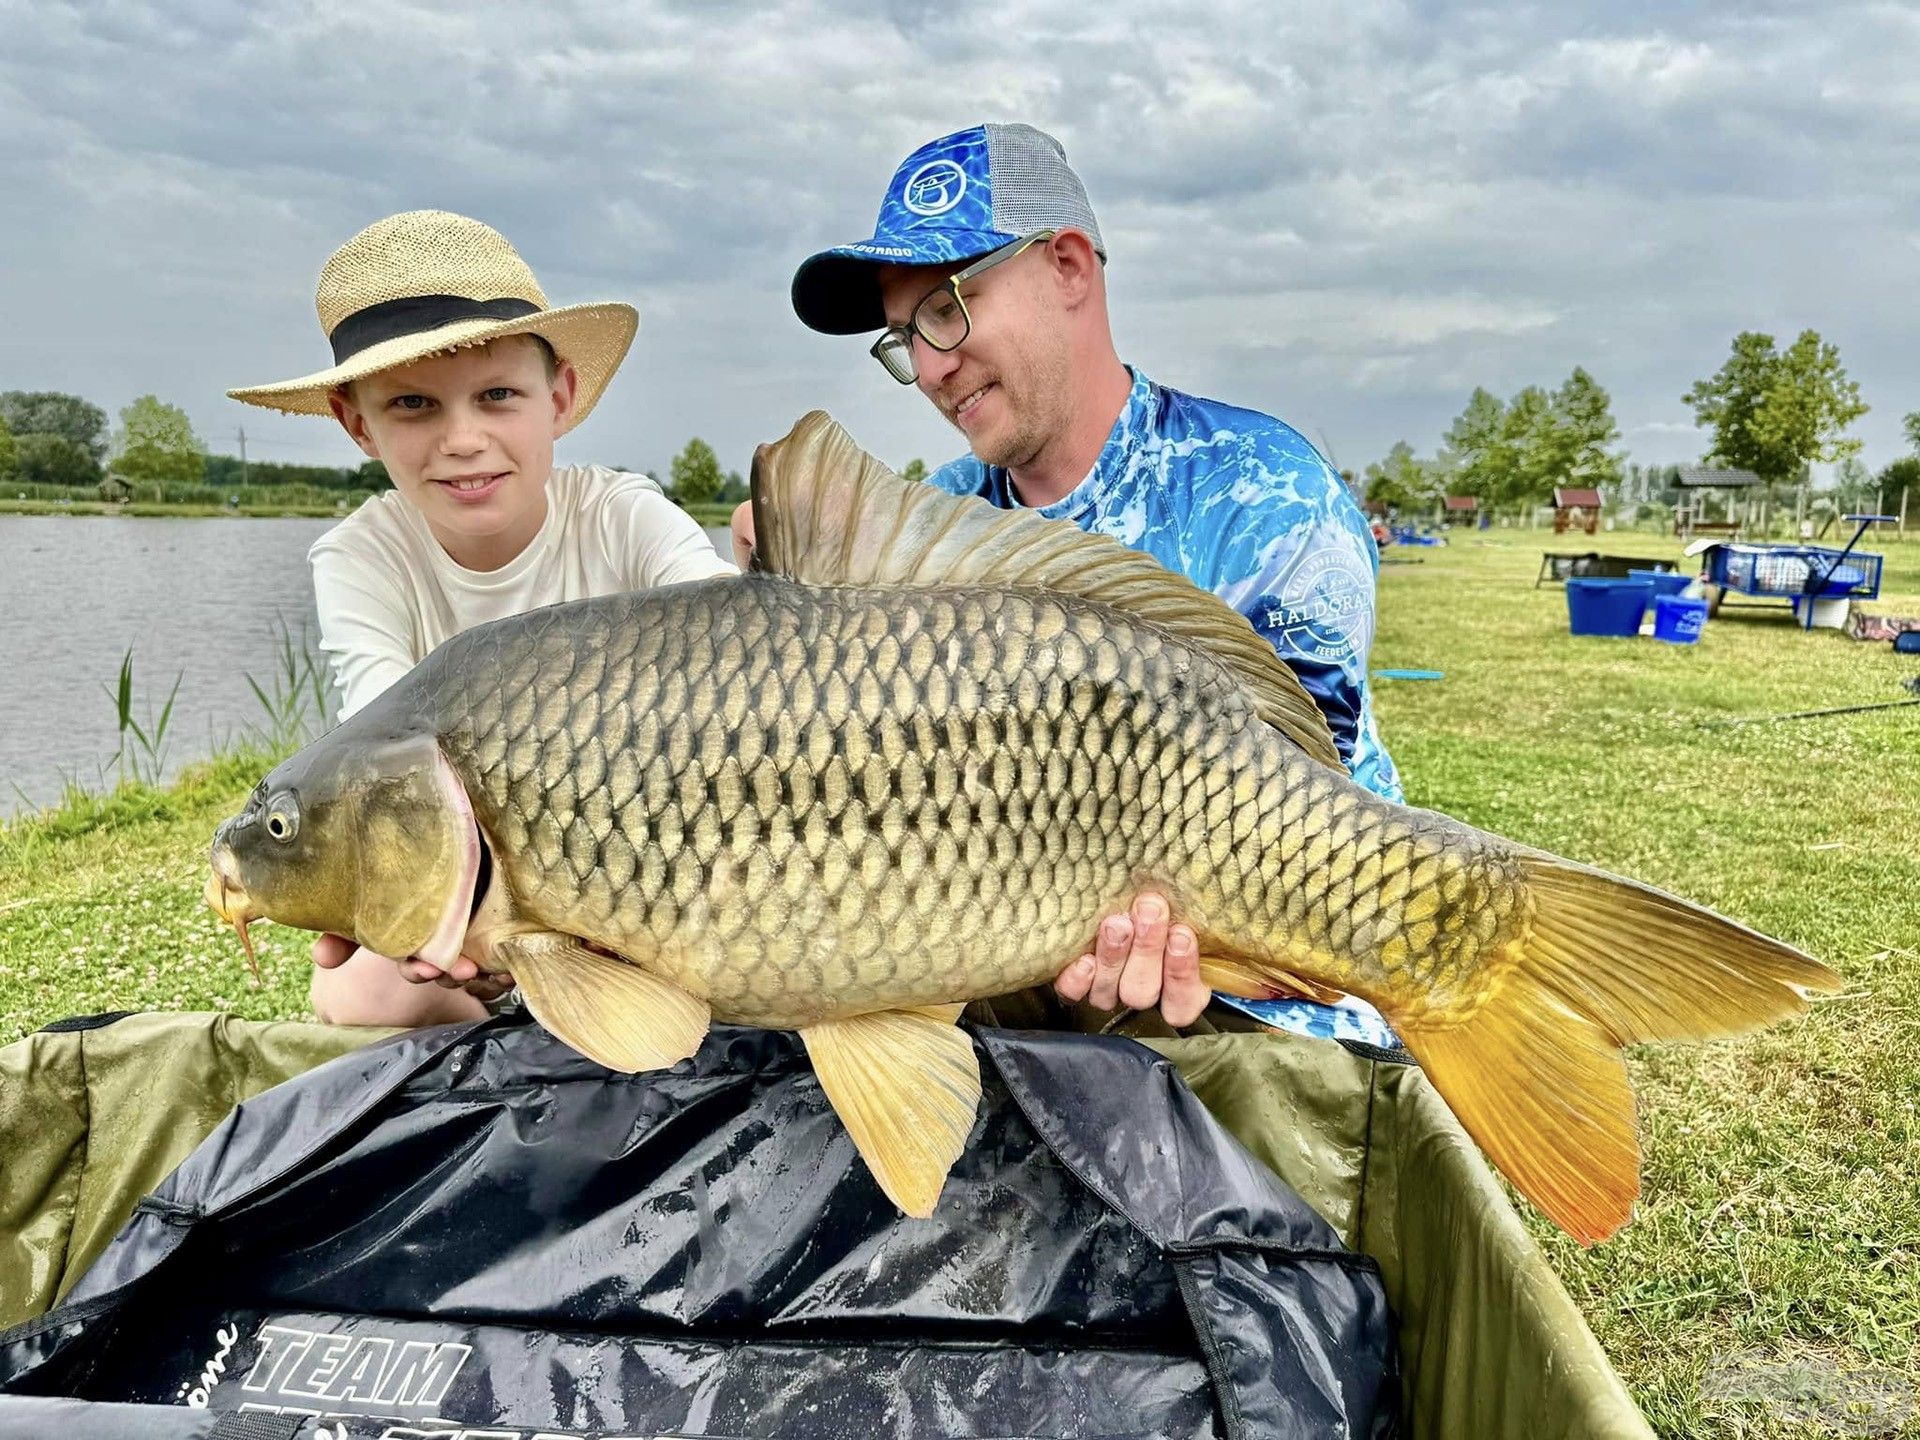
x: 935, y: 188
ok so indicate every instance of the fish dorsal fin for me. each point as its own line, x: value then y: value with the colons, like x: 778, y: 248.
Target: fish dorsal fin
x: 827, y: 513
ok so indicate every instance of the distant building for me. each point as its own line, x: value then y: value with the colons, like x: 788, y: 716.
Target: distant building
x: 1575, y: 509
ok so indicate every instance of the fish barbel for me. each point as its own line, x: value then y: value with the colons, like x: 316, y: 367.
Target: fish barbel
x: 911, y: 765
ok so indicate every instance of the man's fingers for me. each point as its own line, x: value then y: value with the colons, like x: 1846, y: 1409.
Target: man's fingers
x: 420, y: 972
x: 1140, y: 980
x: 1076, y: 980
x: 1182, y: 993
x: 332, y: 951
x: 742, y: 528
x: 488, y: 988
x: 1109, y: 957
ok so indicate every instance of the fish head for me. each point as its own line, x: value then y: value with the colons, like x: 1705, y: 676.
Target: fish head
x: 372, y: 839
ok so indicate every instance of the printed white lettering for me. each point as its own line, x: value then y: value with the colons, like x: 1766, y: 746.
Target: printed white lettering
x: 360, y: 1376
x: 279, y: 1345
x: 317, y: 1365
x: 421, y: 1373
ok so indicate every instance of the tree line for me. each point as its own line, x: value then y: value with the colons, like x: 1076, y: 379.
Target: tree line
x: 1769, y: 410
x: 695, y: 477
x: 54, y: 439
x: 51, y: 438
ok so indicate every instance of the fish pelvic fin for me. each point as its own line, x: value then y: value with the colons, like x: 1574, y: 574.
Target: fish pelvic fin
x: 825, y: 512
x: 608, y: 1009
x: 1252, y: 979
x: 1535, y: 1073
x: 906, y: 1084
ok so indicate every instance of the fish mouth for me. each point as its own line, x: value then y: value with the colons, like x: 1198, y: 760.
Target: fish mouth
x: 228, y: 899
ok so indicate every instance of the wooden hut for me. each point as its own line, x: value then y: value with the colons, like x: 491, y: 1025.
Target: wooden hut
x: 1575, y: 509
x: 1462, y: 509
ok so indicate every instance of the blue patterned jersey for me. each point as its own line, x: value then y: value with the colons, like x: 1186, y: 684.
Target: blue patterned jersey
x: 1244, y: 507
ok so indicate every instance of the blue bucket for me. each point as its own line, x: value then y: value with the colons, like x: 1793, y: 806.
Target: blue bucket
x: 1664, y: 582
x: 1678, y: 621
x: 1607, y: 607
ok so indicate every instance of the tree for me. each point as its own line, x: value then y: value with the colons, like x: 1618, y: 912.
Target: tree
x: 1775, y: 411
x: 1911, y: 427
x: 916, y: 470
x: 48, y: 412
x: 1902, y: 476
x: 1517, y: 451
x: 44, y: 459
x: 1582, y: 427
x: 1476, y: 451
x: 696, y: 474
x: 734, y: 491
x: 9, y: 452
x: 156, y: 445
x: 1401, y: 481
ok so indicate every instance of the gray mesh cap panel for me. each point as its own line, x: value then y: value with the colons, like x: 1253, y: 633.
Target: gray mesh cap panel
x: 1033, y: 186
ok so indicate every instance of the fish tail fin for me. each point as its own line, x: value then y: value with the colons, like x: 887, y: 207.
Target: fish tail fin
x: 1535, y: 1073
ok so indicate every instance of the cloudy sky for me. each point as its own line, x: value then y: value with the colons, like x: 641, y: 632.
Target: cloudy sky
x: 1348, y: 214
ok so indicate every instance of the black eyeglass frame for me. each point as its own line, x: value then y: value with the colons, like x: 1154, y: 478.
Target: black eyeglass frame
x: 898, y: 339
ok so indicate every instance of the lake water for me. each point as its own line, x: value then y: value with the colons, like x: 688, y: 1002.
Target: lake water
x: 200, y: 599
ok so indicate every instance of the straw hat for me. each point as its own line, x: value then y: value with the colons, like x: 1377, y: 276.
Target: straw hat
x: 427, y: 282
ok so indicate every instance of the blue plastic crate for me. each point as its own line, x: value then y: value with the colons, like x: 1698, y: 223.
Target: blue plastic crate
x: 1783, y: 571
x: 1607, y: 607
x: 1678, y: 620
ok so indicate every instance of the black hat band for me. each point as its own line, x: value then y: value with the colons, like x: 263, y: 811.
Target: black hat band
x: 415, y: 314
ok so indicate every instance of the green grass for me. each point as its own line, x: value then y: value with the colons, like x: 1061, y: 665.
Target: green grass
x: 1780, y: 1225
x: 1780, y: 1220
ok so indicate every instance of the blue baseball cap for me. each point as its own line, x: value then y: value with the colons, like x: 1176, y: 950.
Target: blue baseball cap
x: 953, y: 199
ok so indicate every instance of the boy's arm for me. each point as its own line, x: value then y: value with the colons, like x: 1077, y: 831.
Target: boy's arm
x: 365, y: 630
x: 653, y: 540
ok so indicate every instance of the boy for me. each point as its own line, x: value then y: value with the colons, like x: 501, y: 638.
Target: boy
x: 454, y: 372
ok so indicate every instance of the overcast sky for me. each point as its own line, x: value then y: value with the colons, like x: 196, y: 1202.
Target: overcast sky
x: 1348, y: 214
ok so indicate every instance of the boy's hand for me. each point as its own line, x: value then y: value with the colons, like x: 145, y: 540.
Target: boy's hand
x: 743, y: 534
x: 1140, y: 961
x: 331, y: 951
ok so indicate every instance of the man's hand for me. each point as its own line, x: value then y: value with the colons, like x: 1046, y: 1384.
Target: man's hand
x: 743, y: 534
x: 332, y: 951
x: 1139, y: 960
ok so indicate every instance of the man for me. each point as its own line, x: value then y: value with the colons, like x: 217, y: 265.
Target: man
x: 985, y: 278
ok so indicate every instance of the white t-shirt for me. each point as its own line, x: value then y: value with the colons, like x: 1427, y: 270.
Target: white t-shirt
x: 388, y: 593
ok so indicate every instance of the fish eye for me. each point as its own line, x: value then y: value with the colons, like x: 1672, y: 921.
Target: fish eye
x: 283, y: 817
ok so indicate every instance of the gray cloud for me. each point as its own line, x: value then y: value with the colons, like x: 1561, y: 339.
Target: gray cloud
x: 1349, y: 214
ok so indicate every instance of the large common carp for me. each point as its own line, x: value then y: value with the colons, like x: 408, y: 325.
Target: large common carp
x: 912, y: 764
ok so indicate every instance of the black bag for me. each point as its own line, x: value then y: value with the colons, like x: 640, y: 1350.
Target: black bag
x: 473, y: 1231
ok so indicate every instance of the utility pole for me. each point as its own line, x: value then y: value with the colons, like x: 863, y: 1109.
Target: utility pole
x: 243, y: 454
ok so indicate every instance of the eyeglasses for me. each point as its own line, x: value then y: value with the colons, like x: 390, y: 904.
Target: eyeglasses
x: 941, y: 319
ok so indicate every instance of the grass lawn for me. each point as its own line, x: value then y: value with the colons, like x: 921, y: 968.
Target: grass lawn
x: 1778, y: 1240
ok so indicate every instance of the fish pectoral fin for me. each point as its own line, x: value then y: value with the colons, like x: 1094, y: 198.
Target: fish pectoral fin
x: 1252, y: 980
x: 608, y: 1009
x: 906, y: 1084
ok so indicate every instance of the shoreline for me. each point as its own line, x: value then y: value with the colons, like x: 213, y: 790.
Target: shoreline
x: 708, y: 517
